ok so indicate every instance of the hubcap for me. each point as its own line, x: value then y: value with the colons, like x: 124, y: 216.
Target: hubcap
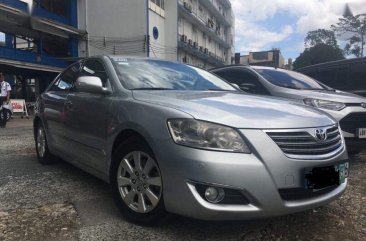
x: 41, y: 142
x: 139, y: 182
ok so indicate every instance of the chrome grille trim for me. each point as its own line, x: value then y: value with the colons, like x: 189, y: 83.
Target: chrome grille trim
x: 302, y: 143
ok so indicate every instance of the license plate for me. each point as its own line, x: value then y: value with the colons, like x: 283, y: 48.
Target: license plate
x: 322, y: 177
x: 361, y: 133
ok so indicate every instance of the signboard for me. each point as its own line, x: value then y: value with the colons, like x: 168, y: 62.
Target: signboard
x: 19, y: 106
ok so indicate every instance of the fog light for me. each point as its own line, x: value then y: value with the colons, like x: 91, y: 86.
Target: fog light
x: 214, y: 195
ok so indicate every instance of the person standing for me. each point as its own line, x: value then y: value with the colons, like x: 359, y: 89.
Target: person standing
x: 5, y: 89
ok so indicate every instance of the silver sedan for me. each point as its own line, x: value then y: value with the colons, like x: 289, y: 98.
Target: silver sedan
x: 174, y: 138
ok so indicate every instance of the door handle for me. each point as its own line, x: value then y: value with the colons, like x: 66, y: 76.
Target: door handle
x: 68, y: 104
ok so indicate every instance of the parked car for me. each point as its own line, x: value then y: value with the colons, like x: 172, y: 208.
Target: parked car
x: 169, y: 137
x: 347, y: 108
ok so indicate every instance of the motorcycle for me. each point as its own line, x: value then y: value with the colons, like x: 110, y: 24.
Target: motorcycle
x: 8, y: 111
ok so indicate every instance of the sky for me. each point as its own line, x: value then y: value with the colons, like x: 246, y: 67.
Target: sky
x: 265, y: 24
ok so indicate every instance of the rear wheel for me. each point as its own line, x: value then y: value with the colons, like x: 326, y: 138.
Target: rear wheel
x: 43, y: 154
x: 137, y: 183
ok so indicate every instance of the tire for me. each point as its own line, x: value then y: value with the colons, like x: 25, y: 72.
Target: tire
x: 43, y: 154
x: 138, y: 191
x: 7, y: 115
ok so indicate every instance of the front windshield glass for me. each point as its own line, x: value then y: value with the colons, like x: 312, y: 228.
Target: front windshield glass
x: 146, y: 74
x: 289, y: 79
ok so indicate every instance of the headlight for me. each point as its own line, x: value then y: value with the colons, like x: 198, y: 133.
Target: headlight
x: 205, y: 135
x: 325, y: 104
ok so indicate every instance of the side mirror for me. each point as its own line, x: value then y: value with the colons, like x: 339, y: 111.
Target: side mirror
x: 91, y: 84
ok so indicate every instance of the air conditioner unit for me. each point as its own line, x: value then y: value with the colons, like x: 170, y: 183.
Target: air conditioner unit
x: 210, y: 23
x: 187, y: 6
x: 184, y: 38
x: 190, y: 42
x: 201, y: 48
x: 206, y: 51
x: 195, y: 45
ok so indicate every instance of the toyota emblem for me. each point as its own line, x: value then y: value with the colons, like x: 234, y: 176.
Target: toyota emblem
x: 363, y: 105
x: 320, y: 134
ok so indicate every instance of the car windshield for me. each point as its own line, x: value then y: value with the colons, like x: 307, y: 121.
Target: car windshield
x: 146, y: 74
x: 289, y: 79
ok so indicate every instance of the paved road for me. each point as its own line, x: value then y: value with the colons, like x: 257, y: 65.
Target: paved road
x: 60, y: 202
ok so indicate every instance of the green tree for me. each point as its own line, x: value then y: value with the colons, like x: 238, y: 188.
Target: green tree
x: 317, y: 54
x: 353, y: 30
x: 321, y: 36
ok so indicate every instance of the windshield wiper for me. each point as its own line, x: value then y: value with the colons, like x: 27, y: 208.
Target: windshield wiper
x: 219, y: 90
x: 319, y: 89
x: 152, y: 88
x: 311, y: 89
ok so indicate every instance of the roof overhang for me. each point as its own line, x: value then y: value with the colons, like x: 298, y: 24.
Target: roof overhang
x: 13, y: 21
x: 29, y: 66
x: 50, y: 27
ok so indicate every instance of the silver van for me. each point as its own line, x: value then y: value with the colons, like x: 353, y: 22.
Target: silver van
x: 349, y: 109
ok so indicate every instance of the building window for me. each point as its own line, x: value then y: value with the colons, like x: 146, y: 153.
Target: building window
x: 159, y: 3
x: 59, y: 7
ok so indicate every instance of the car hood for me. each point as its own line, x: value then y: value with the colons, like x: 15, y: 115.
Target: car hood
x: 237, y: 109
x: 338, y: 96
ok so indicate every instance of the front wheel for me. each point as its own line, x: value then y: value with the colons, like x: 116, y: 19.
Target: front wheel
x: 43, y: 154
x: 137, y: 183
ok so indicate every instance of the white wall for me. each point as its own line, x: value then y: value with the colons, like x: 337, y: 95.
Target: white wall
x: 113, y: 26
x: 165, y: 46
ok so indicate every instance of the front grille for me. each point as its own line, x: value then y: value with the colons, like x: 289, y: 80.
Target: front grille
x: 353, y: 121
x: 304, y: 144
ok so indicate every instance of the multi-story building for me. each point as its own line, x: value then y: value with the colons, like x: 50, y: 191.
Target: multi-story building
x: 41, y: 37
x: 205, y: 32
x: 37, y: 38
x: 198, y: 32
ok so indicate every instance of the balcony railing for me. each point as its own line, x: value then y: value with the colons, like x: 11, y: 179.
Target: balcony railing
x: 42, y: 13
x: 16, y: 4
x: 203, y: 25
x: 200, y: 52
x: 30, y: 57
x: 222, y: 14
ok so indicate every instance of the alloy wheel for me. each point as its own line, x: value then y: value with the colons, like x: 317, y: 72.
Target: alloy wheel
x: 41, y: 142
x: 139, y: 182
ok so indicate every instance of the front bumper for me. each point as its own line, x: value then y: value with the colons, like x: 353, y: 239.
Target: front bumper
x: 259, y: 176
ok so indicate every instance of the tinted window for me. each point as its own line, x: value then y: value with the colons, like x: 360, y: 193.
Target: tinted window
x: 245, y: 80
x: 66, y: 80
x: 335, y: 77
x: 160, y: 74
x: 358, y: 76
x: 289, y: 79
x: 95, y: 68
